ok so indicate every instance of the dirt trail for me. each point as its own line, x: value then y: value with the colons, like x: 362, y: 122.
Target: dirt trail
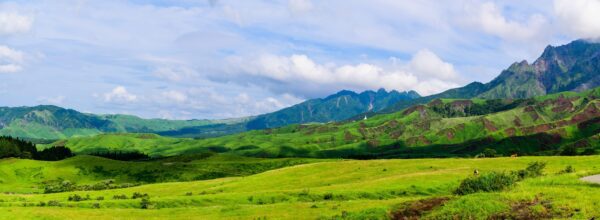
x: 592, y: 179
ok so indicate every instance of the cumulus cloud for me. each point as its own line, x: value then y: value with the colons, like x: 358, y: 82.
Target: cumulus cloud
x: 300, y: 6
x: 489, y: 18
x: 175, y: 96
x: 426, y: 73
x: 581, y: 18
x: 57, y: 100
x: 10, y: 60
x: 429, y: 64
x: 174, y: 74
x: 12, y: 23
x: 119, y: 94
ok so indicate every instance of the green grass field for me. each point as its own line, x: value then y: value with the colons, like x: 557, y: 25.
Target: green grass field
x: 348, y: 189
x: 30, y: 176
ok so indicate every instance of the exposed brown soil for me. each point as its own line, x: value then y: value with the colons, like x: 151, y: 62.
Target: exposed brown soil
x: 517, y: 121
x: 590, y: 112
x: 529, y: 109
x: 562, y: 104
x: 414, y: 141
x: 435, y: 102
x: 537, y: 208
x: 419, y: 108
x: 510, y: 132
x: 348, y: 136
x: 489, y: 125
x: 415, y: 209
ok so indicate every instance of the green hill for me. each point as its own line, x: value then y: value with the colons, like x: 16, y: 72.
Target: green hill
x: 45, y: 122
x: 444, y: 127
x: 48, y: 122
x: 31, y: 176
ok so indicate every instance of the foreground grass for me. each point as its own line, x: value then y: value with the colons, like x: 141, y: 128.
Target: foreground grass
x: 30, y: 176
x: 342, y: 189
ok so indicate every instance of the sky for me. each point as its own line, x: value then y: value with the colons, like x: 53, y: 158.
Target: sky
x: 212, y: 59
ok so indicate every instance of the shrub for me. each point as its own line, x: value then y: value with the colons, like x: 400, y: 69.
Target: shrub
x: 145, y: 203
x: 589, y: 151
x: 534, y: 169
x: 569, y: 151
x: 139, y: 195
x: 100, y: 198
x: 53, y: 203
x: 488, y: 152
x: 96, y: 205
x: 119, y: 197
x: 490, y: 182
x: 189, y: 194
x: 328, y: 196
x: 568, y: 169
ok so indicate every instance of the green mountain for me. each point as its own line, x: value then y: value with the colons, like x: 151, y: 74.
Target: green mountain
x: 48, y: 122
x: 337, y: 107
x: 571, y: 67
x: 52, y: 122
x: 548, y: 124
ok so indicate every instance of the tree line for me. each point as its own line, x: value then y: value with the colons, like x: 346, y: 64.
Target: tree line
x: 18, y: 148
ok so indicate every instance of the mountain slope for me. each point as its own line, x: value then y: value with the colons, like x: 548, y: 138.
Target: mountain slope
x: 52, y: 122
x: 339, y: 106
x: 443, y: 127
x: 571, y: 67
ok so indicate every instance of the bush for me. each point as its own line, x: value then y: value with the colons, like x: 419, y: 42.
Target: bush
x: 100, y: 198
x: 77, y: 198
x: 490, y: 182
x: 589, y: 151
x: 568, y: 169
x: 139, y: 195
x: 569, y: 151
x: 119, y: 197
x: 145, y: 203
x: 534, y: 169
x: 488, y: 152
x: 53, y: 203
x: 328, y: 196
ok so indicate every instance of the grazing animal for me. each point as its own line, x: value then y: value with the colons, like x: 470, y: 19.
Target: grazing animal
x: 514, y: 155
x: 476, y: 172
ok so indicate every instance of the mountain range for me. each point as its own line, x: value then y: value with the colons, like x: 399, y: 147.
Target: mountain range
x: 571, y: 67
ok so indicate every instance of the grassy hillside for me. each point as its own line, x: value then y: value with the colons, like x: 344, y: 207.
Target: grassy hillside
x: 31, y: 176
x: 52, y: 122
x: 341, y: 190
x: 443, y: 127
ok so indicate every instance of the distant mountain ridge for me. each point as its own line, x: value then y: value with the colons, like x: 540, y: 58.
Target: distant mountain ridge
x: 48, y: 122
x: 337, y: 107
x: 571, y: 67
x: 53, y: 122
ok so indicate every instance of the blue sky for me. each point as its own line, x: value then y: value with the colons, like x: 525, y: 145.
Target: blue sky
x: 185, y: 59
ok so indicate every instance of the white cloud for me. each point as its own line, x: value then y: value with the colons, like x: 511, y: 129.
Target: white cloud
x: 429, y: 64
x: 581, y: 18
x: 300, y: 6
x: 489, y: 18
x: 12, y: 23
x: 10, y: 60
x: 119, y: 94
x: 57, y: 100
x: 175, y: 96
x: 424, y: 74
x: 175, y: 74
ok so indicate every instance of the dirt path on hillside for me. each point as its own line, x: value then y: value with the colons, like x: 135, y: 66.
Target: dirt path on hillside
x: 592, y: 179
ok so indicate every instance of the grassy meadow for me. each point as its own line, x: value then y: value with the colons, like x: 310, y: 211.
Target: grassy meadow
x: 337, y: 189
